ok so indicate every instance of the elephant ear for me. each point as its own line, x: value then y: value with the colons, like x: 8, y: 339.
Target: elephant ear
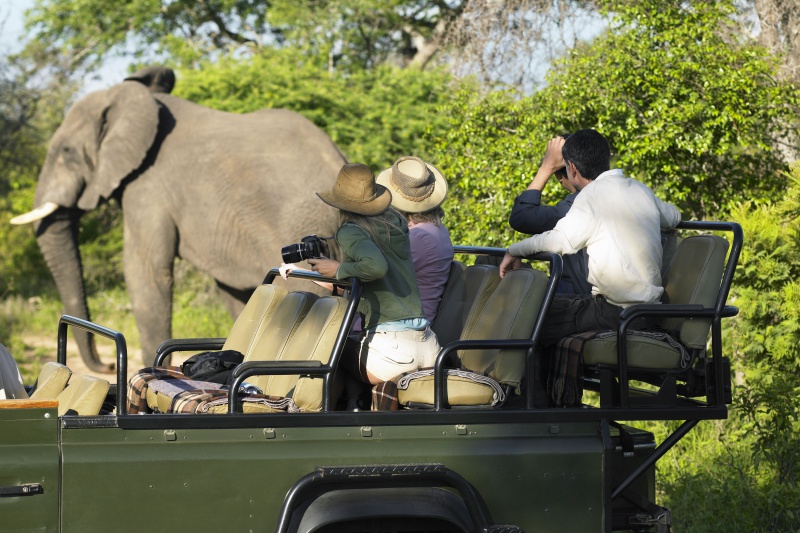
x: 127, y: 129
x: 156, y: 78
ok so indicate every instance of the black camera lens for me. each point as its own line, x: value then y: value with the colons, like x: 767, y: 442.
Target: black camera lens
x: 309, y: 247
x: 292, y: 253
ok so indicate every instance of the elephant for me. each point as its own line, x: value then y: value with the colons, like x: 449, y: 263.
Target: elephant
x: 223, y: 191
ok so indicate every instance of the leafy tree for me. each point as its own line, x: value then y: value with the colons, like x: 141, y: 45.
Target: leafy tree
x: 700, y: 119
x: 766, y: 339
x: 483, y: 36
x: 374, y: 116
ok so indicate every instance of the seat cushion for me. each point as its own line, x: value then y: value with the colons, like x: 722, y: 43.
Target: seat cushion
x: 200, y: 397
x: 52, y: 380
x: 643, y: 352
x: 463, y: 388
x: 84, y: 396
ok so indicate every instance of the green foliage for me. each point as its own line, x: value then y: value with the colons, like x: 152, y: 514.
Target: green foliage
x: 689, y: 109
x: 489, y: 154
x: 349, y: 34
x: 89, y: 30
x: 374, y: 116
x: 691, y: 114
x: 766, y: 339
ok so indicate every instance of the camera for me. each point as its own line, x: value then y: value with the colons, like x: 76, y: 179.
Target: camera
x: 309, y: 247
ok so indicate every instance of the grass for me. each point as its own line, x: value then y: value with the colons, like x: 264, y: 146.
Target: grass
x: 29, y: 327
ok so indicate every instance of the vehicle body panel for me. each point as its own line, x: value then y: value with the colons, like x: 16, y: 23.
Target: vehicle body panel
x: 237, y: 479
x: 29, y: 455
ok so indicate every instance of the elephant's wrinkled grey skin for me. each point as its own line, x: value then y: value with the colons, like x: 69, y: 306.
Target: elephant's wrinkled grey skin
x: 223, y: 191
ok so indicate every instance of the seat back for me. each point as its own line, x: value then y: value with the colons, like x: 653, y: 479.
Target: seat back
x: 84, y: 396
x: 282, y: 325
x: 694, y: 276
x: 509, y: 313
x: 313, y: 341
x: 53, y: 378
x: 254, y: 318
x: 11, y: 386
x: 465, y: 295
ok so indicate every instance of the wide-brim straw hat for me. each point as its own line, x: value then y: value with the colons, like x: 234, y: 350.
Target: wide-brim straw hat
x: 416, y: 186
x: 355, y: 190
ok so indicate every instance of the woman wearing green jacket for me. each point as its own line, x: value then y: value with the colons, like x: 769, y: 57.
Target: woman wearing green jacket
x: 375, y: 248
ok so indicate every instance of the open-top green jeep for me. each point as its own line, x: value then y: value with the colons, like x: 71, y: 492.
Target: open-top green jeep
x: 488, y: 440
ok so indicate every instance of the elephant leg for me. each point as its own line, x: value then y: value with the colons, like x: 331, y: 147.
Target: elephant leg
x: 234, y: 299
x: 149, y: 259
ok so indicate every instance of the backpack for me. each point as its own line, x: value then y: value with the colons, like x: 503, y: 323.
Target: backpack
x: 216, y: 367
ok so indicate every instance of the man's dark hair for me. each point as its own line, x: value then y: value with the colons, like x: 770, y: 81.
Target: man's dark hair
x: 589, y: 152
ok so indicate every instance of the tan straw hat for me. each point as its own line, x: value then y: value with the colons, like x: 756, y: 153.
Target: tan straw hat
x: 355, y: 190
x: 416, y: 186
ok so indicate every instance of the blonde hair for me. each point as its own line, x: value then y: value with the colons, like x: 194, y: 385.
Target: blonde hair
x: 374, y: 225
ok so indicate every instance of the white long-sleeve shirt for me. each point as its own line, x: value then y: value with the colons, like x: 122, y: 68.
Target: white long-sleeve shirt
x: 618, y: 220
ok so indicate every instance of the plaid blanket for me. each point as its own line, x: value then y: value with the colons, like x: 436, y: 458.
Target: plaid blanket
x: 201, y: 396
x: 564, y: 381
x: 385, y: 395
x: 137, y: 386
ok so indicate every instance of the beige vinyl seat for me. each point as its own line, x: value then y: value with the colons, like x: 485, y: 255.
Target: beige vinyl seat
x: 274, y: 319
x: 694, y: 278
x: 487, y: 374
x: 255, y: 316
x: 53, y: 379
x: 465, y: 295
x: 313, y: 340
x: 83, y: 396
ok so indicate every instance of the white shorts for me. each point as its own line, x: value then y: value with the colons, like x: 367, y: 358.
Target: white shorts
x: 387, y: 354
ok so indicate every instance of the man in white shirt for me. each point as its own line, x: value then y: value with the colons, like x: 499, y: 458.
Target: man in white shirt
x: 618, y: 221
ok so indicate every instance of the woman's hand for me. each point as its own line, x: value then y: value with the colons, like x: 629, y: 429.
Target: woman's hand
x: 325, y: 267
x: 285, y: 268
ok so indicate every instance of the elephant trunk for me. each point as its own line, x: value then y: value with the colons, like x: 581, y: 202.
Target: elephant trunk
x: 57, y: 236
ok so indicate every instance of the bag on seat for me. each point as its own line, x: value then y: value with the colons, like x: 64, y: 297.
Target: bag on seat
x: 215, y: 367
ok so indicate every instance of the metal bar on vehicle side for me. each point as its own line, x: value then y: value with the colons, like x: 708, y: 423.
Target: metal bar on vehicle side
x: 181, y: 345
x: 651, y: 459
x: 119, y: 341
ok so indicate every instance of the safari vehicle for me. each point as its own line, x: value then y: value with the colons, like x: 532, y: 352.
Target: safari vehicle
x: 463, y: 453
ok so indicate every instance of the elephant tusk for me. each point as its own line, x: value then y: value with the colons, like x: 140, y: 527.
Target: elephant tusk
x: 37, y: 214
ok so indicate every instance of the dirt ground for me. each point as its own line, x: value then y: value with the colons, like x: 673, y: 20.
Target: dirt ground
x: 106, y: 350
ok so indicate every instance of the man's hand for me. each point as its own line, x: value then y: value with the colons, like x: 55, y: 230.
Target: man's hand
x: 552, y: 161
x: 326, y: 267
x: 508, y: 264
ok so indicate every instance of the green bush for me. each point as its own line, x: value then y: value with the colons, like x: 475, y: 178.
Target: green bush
x: 374, y: 116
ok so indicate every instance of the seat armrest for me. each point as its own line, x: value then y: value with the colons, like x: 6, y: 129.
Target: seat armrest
x: 453, y: 347
x: 184, y: 345
x: 253, y: 368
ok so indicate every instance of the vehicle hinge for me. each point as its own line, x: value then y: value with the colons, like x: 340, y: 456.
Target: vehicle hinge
x: 662, y: 521
x: 503, y: 529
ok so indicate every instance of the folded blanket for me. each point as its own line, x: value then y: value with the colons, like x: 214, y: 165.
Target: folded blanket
x: 137, y: 386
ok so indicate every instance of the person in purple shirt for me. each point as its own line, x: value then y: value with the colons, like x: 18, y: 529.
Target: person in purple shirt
x: 418, y: 190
